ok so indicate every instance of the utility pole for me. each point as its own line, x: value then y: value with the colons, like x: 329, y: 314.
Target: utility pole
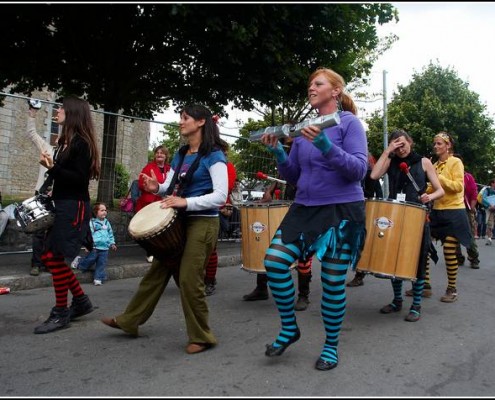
x: 385, y: 133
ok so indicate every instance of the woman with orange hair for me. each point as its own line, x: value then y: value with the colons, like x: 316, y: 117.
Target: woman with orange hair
x: 327, y: 217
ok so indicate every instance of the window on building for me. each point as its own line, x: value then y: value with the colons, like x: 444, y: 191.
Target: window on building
x: 54, y: 129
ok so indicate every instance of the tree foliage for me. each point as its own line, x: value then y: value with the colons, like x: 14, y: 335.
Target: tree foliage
x: 438, y: 100
x: 122, y: 181
x: 171, y: 139
x: 139, y: 58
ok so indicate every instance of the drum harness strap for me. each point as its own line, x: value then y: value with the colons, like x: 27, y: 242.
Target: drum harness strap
x: 177, y: 186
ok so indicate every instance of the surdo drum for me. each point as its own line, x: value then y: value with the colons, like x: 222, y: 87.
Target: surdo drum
x: 159, y: 231
x: 394, y: 231
x: 259, y: 222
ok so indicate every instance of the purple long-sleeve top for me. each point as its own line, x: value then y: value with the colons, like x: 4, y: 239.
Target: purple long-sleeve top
x: 334, y: 177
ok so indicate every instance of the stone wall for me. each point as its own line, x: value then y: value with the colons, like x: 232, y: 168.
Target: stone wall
x: 14, y: 239
x: 19, y: 167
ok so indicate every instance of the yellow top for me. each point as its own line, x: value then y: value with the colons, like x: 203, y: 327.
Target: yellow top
x: 451, y: 175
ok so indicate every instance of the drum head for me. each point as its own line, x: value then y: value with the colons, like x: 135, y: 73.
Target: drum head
x: 30, y: 203
x: 396, y: 202
x: 273, y: 203
x: 150, y: 220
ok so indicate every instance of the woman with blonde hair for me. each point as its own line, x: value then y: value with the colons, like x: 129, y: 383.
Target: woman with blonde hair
x: 449, y: 221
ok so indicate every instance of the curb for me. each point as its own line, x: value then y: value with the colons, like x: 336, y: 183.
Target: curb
x: 26, y: 282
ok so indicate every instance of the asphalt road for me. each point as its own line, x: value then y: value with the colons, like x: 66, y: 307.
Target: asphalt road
x: 448, y: 352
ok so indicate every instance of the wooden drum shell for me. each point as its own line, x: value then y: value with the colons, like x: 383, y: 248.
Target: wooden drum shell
x: 394, y: 232
x: 259, y: 222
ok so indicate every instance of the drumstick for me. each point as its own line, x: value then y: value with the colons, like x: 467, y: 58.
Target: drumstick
x: 405, y: 168
x: 261, y: 175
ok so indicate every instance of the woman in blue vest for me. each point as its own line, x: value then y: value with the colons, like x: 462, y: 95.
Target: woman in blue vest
x: 196, y: 187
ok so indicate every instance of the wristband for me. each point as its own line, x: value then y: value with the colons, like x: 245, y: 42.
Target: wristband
x: 279, y: 152
x: 322, y: 143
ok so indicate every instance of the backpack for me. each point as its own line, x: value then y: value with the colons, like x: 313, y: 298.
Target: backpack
x: 480, y: 195
x: 134, y: 191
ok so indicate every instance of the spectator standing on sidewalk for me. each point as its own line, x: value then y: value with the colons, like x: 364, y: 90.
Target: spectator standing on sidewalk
x: 160, y: 167
x: 480, y: 221
x: 4, y: 217
x: 103, y: 240
x: 489, y: 205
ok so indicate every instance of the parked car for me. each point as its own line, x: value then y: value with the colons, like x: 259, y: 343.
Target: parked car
x: 251, y: 195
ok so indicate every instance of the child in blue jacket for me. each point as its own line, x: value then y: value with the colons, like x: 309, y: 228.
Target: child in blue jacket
x: 103, y: 241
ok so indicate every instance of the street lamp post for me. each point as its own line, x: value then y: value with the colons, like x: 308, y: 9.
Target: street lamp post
x: 385, y: 133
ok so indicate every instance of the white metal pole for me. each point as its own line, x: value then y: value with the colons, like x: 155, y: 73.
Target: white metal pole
x: 385, y: 133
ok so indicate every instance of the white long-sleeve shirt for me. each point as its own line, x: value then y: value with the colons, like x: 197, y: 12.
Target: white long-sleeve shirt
x: 40, y: 144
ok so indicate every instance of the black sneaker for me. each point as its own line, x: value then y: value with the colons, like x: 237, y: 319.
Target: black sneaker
x: 80, y: 306
x: 357, y: 281
x: 210, y: 289
x: 256, y: 294
x: 302, y: 303
x: 59, y: 318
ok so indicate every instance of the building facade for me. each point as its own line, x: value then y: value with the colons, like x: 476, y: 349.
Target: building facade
x: 19, y: 158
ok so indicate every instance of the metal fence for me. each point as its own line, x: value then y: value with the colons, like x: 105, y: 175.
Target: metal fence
x: 253, y: 159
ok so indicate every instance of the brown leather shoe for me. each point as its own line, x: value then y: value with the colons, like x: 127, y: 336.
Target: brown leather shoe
x: 193, y: 348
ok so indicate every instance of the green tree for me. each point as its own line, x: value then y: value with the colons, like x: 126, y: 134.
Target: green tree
x: 121, y: 181
x: 171, y: 139
x: 438, y: 100
x: 138, y: 58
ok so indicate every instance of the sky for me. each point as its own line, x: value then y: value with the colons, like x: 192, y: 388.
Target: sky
x: 458, y: 35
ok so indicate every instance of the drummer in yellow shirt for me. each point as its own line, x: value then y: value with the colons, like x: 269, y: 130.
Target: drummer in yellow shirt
x: 449, y: 222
